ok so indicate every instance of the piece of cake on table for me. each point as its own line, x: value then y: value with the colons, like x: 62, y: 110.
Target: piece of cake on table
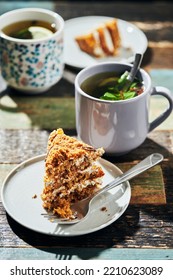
x: 71, y: 173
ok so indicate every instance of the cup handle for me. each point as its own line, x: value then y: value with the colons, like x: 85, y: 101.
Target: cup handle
x: 167, y: 94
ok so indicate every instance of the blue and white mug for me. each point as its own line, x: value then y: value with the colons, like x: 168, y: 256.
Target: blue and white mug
x: 32, y: 65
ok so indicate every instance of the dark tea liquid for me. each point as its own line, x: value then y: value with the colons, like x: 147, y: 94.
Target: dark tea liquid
x: 95, y: 86
x: 23, y: 29
x: 106, y: 86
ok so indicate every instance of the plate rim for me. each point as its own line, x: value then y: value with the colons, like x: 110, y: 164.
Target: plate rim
x: 40, y: 158
x: 129, y: 60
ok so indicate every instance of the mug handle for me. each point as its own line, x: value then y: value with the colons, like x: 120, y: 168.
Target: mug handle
x: 167, y: 94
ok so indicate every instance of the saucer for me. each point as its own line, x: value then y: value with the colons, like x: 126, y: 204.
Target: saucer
x: 21, y: 199
x: 133, y: 41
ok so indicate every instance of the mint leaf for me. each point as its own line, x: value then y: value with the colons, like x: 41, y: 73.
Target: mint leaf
x: 109, y: 96
x: 129, y: 94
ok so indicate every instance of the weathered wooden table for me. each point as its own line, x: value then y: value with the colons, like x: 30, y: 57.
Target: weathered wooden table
x: 145, y: 230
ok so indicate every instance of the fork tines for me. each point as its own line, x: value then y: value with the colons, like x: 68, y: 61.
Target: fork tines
x: 52, y: 217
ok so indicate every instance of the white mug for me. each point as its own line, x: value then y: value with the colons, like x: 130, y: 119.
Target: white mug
x: 32, y: 65
x: 117, y: 126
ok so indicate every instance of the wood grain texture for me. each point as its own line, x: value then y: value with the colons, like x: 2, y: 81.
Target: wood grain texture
x: 137, y: 11
x: 148, y: 187
x: 85, y: 254
x: 139, y: 227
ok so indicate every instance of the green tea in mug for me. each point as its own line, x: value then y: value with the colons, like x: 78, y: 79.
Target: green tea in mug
x: 110, y: 86
x: 30, y: 29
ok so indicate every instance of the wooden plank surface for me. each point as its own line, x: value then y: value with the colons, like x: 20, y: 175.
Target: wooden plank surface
x: 139, y: 227
x: 145, y: 11
x: 85, y: 254
x: 148, y: 187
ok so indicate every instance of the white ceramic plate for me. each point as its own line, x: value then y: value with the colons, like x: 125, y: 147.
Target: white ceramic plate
x: 26, y: 181
x: 133, y: 41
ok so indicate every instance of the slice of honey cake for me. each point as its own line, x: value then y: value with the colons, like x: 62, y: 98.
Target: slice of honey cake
x: 104, y: 40
x: 71, y: 173
x: 89, y: 44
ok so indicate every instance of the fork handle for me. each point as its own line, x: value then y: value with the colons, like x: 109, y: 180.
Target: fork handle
x: 142, y: 166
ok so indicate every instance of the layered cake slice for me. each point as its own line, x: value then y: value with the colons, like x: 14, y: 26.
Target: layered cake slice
x: 71, y: 173
x: 104, y: 40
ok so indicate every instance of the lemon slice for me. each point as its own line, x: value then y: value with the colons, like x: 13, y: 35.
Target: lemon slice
x: 39, y: 32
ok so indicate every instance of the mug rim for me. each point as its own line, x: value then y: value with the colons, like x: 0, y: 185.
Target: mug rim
x: 30, y: 9
x: 86, y: 69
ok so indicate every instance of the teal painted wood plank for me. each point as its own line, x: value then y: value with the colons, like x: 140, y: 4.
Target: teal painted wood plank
x: 42, y: 112
x: 85, y: 254
x: 162, y: 77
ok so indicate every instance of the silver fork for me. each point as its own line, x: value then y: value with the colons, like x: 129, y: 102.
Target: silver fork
x: 81, y: 208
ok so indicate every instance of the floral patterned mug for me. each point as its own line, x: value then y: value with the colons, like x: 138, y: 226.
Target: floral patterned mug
x: 32, y: 65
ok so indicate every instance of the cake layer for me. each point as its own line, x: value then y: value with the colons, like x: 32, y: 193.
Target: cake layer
x: 71, y: 172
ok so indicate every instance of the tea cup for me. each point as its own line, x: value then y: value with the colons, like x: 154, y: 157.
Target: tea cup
x: 117, y: 126
x: 31, y: 65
